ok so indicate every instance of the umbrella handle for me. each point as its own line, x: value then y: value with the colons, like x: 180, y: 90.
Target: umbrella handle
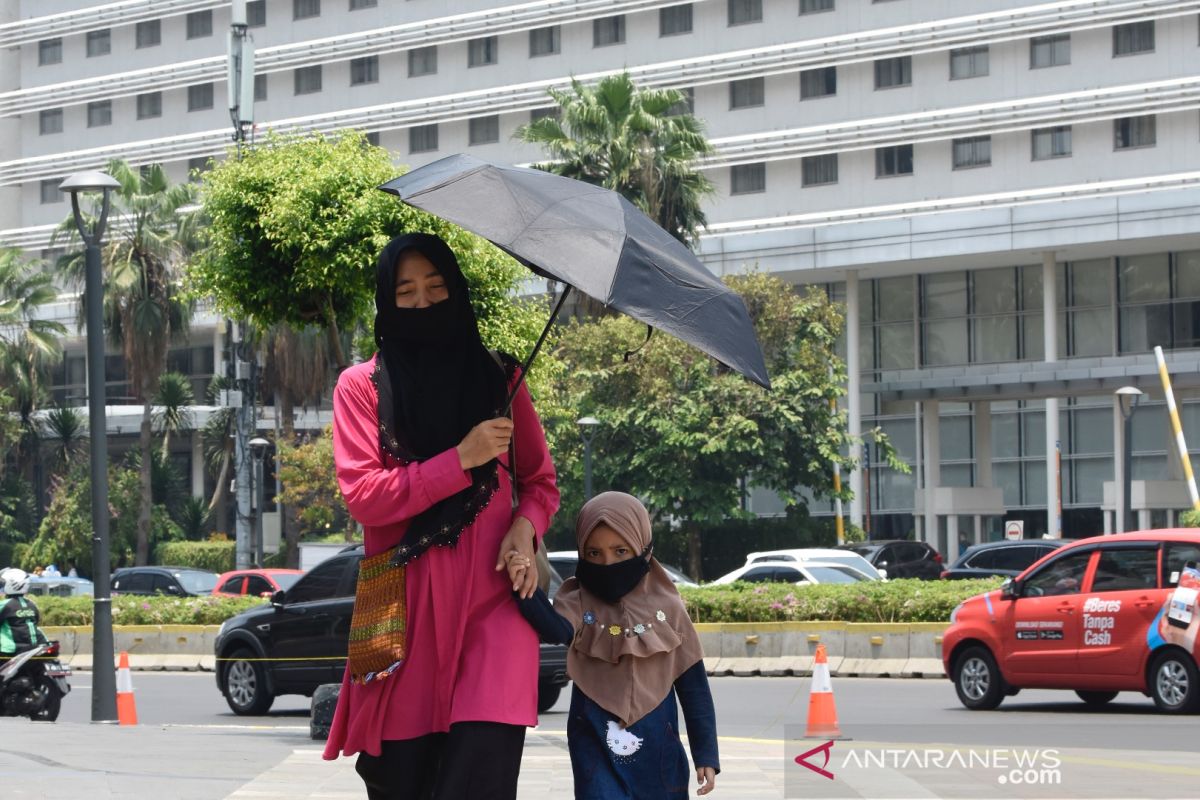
x: 525, y: 367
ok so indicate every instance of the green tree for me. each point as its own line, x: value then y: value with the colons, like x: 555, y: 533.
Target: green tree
x: 682, y: 432
x: 153, y: 231
x: 636, y: 141
x: 65, y: 430
x: 173, y: 400
x: 310, y: 484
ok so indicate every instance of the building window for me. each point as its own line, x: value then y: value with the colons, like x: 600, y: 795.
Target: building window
x: 50, y: 121
x: 1133, y: 37
x: 199, y: 24
x: 747, y: 93
x: 969, y: 62
x: 742, y: 12
x: 748, y: 178
x: 200, y: 97
x: 364, y: 70
x: 820, y: 82
x: 304, y: 9
x: 197, y: 166
x: 260, y: 88
x: 893, y: 161
x: 373, y: 138
x: 307, y: 79
x: 813, y: 6
x: 49, y: 52
x: 554, y: 112
x: 686, y: 105
x: 148, y: 33
x: 545, y: 41
x: 1050, y: 51
x: 819, y: 170
x: 99, y: 114
x: 608, y: 31
x: 1051, y: 142
x: 1159, y: 301
x: 50, y: 192
x: 99, y: 43
x: 355, y: 5
x: 972, y: 151
x: 423, y: 138
x: 422, y: 61
x: 893, y: 72
x: 484, y: 130
x: 1134, y: 132
x: 149, y: 105
x: 483, y: 52
x: 256, y: 13
x: 675, y: 20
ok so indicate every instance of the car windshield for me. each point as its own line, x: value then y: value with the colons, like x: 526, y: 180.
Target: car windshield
x: 287, y: 580
x: 853, y: 562
x: 835, y: 574
x: 197, y: 582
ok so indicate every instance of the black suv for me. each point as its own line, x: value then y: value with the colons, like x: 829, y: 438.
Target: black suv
x: 1008, y: 558
x: 306, y: 629
x: 174, y: 581
x: 900, y: 558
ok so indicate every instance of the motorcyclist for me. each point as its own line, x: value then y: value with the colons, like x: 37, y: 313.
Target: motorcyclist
x: 19, y: 616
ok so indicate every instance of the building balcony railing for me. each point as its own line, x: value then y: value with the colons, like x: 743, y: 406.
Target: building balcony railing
x: 924, y: 37
x: 33, y: 29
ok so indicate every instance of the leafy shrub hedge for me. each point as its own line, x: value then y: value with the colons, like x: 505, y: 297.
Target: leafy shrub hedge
x: 213, y: 556
x: 907, y: 600
x: 893, y: 601
x: 133, y: 610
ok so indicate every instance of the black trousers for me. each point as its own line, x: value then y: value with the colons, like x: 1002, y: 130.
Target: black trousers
x: 474, y: 761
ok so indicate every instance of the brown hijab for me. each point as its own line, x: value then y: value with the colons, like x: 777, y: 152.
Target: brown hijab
x: 626, y: 656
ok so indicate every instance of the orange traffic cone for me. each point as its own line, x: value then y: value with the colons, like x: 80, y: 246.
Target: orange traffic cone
x: 126, y: 706
x: 822, y: 714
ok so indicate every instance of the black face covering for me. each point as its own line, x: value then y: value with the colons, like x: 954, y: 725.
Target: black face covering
x: 435, y: 381
x: 611, y: 582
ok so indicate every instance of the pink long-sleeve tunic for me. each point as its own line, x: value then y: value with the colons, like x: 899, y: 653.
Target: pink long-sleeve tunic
x: 471, y: 656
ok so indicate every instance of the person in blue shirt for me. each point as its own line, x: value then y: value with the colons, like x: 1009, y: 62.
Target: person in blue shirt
x: 633, y: 651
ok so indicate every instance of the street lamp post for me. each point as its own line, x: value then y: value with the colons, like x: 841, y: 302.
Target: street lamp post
x: 258, y: 448
x: 587, y: 429
x: 1127, y: 398
x: 104, y: 680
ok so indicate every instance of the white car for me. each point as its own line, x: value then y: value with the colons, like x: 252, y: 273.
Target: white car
x: 564, y: 562
x: 801, y: 573
x: 806, y: 554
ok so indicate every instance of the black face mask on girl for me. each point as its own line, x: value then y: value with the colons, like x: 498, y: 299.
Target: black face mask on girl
x: 611, y: 582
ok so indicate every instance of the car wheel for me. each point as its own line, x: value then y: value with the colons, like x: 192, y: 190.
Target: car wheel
x: 547, y: 696
x: 1175, y: 683
x: 1096, y: 698
x: 977, y: 680
x: 246, y: 685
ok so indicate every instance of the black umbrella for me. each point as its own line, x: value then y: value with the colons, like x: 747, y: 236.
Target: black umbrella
x: 594, y: 240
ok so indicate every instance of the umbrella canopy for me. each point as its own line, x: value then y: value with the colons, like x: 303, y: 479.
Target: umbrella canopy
x: 594, y: 240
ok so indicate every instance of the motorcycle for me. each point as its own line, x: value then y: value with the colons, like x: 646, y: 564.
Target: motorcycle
x: 33, y: 684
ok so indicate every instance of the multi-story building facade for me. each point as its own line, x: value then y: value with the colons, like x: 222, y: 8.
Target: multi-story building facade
x: 1005, y: 194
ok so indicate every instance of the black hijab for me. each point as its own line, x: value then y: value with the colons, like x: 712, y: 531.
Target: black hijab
x: 435, y: 381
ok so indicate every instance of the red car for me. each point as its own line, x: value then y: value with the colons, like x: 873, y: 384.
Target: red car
x: 1099, y: 616
x: 257, y: 582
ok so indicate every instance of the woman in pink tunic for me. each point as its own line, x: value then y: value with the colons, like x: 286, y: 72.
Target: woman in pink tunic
x: 422, y: 460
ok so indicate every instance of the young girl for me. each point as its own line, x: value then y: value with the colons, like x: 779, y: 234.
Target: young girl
x: 632, y: 651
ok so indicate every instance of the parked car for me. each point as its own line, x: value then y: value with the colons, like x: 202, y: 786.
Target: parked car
x: 306, y: 628
x: 60, y: 586
x: 564, y: 562
x: 830, y: 556
x: 802, y: 573
x: 1097, y: 616
x: 1007, y: 558
x: 256, y: 582
x: 900, y: 558
x: 175, y: 581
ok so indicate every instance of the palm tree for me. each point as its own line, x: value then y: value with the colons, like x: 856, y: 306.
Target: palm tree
x: 153, y: 233
x: 174, y: 399
x: 631, y: 140
x: 66, y: 428
x: 29, y: 346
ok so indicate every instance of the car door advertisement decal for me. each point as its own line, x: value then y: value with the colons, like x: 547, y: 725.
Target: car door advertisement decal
x: 1179, y: 621
x: 1040, y: 629
x: 1099, y: 620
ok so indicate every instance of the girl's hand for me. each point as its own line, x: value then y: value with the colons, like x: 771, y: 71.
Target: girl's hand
x: 517, y: 564
x: 707, y: 778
